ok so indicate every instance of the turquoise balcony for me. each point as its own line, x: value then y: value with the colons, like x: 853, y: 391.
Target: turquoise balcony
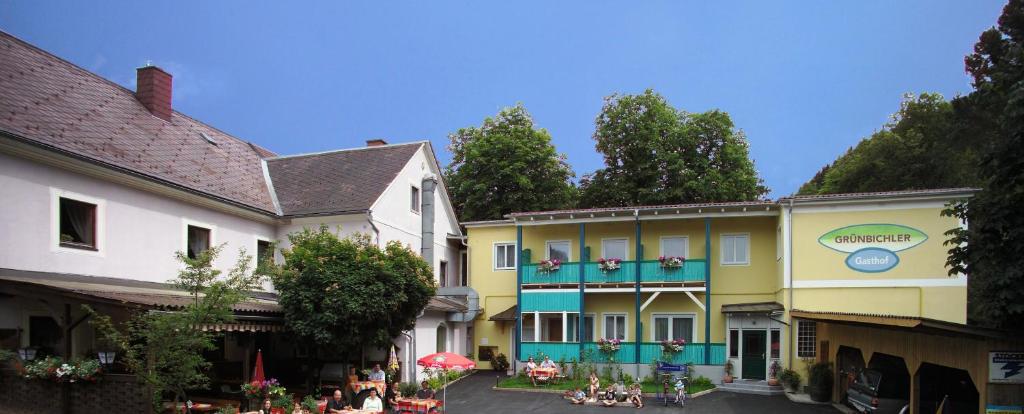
x: 691, y: 271
x: 626, y: 273
x: 650, y: 272
x: 568, y: 273
x: 649, y: 351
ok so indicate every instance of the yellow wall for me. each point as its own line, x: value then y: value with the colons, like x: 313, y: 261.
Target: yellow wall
x: 534, y: 238
x: 497, y: 288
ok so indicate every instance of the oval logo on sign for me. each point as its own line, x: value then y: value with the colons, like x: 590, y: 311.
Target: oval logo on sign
x: 872, y: 260
x: 891, y: 237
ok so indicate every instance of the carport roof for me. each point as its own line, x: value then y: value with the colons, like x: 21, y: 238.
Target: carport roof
x: 910, y: 323
x: 757, y: 307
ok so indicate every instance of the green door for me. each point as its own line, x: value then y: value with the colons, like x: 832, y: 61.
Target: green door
x: 754, y: 347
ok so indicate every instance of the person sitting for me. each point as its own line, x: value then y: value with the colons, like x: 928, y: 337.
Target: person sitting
x: 425, y: 393
x: 578, y: 397
x: 297, y: 408
x: 373, y: 402
x: 530, y: 366
x: 376, y: 374
x: 352, y: 378
x: 609, y: 397
x: 337, y: 404
x: 635, y: 395
x: 595, y: 385
x: 548, y: 363
x: 392, y: 395
x: 264, y: 408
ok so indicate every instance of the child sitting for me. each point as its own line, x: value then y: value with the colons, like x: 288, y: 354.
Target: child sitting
x: 578, y: 397
x: 609, y: 397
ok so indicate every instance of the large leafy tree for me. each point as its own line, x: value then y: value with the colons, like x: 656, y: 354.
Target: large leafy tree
x: 505, y: 165
x: 915, y: 150
x: 656, y: 154
x: 991, y: 249
x: 166, y: 349
x: 347, y: 293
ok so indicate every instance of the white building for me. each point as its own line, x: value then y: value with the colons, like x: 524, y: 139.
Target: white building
x: 102, y: 185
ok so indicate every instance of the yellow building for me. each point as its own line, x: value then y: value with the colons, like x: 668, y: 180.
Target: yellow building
x: 744, y: 267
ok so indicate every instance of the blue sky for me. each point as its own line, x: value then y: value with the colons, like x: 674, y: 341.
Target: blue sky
x: 804, y: 80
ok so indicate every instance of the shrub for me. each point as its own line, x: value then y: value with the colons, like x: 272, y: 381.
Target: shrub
x: 819, y: 381
x: 790, y: 379
x: 408, y: 389
x: 284, y: 401
x: 309, y: 403
x: 500, y: 362
x: 701, y: 382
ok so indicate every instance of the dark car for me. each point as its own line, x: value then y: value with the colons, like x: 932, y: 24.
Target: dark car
x: 877, y: 393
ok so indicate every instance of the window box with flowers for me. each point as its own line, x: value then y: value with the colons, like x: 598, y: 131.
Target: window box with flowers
x: 57, y: 370
x: 609, y: 346
x: 671, y: 262
x: 672, y: 346
x: 549, y: 266
x: 609, y: 265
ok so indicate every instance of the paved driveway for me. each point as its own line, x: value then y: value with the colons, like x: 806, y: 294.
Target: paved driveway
x: 473, y: 395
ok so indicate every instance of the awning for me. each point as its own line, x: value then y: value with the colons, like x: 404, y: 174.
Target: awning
x: 446, y: 304
x: 245, y: 326
x: 756, y: 307
x: 506, y: 315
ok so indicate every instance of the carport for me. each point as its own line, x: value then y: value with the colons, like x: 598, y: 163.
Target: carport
x: 938, y: 360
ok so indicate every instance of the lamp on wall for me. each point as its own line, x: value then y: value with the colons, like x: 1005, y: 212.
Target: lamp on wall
x: 106, y: 357
x: 27, y: 354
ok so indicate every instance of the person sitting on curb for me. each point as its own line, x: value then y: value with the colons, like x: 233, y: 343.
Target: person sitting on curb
x: 595, y: 385
x: 635, y: 395
x: 578, y: 397
x: 609, y: 397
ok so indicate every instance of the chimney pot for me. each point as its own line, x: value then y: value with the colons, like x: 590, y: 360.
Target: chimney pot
x: 153, y: 90
x: 376, y: 142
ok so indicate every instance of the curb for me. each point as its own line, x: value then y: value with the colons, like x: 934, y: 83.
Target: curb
x: 546, y: 391
x: 804, y: 400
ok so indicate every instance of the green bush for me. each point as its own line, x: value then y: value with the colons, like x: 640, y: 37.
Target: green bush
x: 819, y: 381
x: 702, y: 383
x: 790, y: 379
x: 408, y: 389
x: 285, y: 401
x: 500, y: 362
x: 309, y: 403
x: 228, y: 409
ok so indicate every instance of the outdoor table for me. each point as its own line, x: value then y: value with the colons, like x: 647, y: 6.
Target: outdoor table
x: 544, y: 372
x: 359, y: 386
x: 418, y: 406
x: 196, y: 407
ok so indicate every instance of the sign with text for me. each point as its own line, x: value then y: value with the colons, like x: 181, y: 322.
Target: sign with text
x: 1006, y: 367
x: 872, y: 247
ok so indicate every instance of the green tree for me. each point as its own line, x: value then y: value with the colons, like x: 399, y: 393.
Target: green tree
x: 655, y: 154
x: 915, y: 150
x: 991, y: 249
x: 165, y: 349
x: 346, y: 294
x: 506, y: 165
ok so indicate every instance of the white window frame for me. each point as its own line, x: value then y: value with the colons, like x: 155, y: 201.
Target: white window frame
x: 686, y: 245
x: 547, y: 248
x: 101, y: 223
x: 534, y: 326
x: 593, y: 333
x: 670, y: 315
x: 625, y: 325
x: 814, y: 341
x: 494, y: 255
x: 443, y: 276
x: 256, y: 249
x: 419, y: 199
x: 185, y: 222
x: 605, y: 255
x: 721, y: 249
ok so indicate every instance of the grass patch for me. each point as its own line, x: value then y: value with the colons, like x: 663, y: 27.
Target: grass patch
x: 523, y: 382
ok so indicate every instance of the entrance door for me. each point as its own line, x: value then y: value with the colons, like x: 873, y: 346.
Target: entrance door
x: 754, y: 354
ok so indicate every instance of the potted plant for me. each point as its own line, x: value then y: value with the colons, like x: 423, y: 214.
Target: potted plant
x: 790, y: 380
x: 819, y: 381
x: 549, y: 266
x: 608, y: 265
x: 773, y: 373
x: 671, y: 262
x: 282, y: 404
x: 728, y: 372
x: 499, y: 362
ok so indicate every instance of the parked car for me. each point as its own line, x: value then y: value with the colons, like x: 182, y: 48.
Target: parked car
x: 876, y: 393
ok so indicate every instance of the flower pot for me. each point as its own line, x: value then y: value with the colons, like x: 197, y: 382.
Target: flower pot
x: 773, y: 381
x: 727, y: 379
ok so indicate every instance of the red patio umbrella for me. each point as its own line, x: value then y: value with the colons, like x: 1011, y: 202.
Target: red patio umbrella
x: 446, y: 361
x: 258, y: 374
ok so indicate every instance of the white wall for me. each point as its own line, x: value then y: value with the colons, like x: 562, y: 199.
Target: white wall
x: 343, y: 226
x: 138, y: 232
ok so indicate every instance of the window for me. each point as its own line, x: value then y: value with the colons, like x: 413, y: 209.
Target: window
x: 442, y: 338
x: 263, y: 252
x: 676, y: 246
x: 673, y: 327
x: 464, y: 268
x: 504, y: 256
x: 615, y: 326
x: 485, y: 353
x: 735, y: 249
x: 44, y: 333
x: 775, y: 343
x: 529, y: 328
x: 558, y: 250
x: 778, y: 243
x: 77, y: 224
x: 806, y: 339
x: 550, y: 327
x: 443, y: 273
x: 198, y: 241
x: 414, y: 197
x: 614, y: 248
x: 734, y: 343
x: 574, y: 330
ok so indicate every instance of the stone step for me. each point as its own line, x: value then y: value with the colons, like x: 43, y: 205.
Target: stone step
x: 752, y: 387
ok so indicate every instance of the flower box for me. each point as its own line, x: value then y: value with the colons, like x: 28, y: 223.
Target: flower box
x: 671, y: 262
x: 608, y: 265
x: 549, y: 266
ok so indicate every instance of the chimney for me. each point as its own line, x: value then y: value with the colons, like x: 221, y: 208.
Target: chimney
x: 376, y: 142
x: 153, y: 89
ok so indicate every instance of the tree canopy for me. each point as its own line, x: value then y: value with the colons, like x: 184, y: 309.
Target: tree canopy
x: 656, y: 154
x: 349, y: 293
x: 506, y: 165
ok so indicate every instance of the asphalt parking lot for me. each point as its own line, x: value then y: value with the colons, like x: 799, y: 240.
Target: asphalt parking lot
x: 473, y: 395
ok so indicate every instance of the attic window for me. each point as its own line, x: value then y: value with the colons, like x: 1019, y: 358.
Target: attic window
x: 207, y: 138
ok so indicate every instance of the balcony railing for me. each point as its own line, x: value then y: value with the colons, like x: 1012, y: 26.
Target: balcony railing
x: 650, y: 272
x: 649, y: 351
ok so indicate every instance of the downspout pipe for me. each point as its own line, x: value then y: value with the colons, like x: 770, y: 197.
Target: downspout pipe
x: 376, y: 231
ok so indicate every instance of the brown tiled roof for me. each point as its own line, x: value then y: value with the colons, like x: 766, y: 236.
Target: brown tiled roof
x: 336, y: 181
x: 505, y: 315
x: 49, y: 102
